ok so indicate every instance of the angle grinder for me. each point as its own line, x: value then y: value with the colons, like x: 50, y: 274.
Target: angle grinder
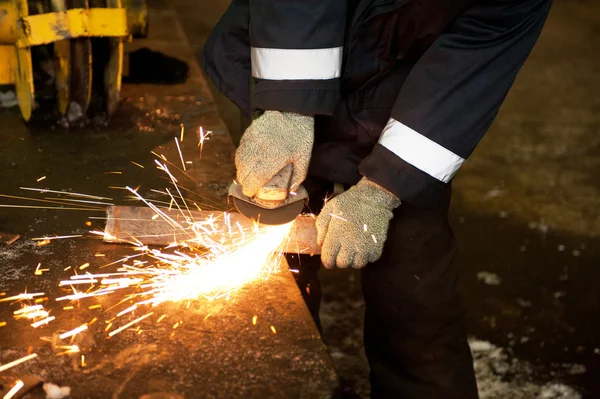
x: 274, y: 203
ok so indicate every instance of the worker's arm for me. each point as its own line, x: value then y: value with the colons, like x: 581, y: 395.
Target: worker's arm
x: 452, y: 96
x: 296, y: 52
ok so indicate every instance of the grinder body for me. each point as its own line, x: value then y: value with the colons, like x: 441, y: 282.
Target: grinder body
x: 274, y: 203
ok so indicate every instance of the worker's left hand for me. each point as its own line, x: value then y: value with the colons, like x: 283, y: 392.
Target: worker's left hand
x: 352, y: 227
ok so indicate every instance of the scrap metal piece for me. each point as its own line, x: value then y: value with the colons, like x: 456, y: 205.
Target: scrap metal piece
x: 143, y: 223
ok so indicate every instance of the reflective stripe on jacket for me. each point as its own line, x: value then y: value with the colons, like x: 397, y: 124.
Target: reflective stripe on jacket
x: 403, y: 90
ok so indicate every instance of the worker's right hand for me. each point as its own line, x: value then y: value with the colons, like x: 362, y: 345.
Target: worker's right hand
x: 272, y: 141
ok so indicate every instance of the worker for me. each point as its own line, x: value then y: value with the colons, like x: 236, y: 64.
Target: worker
x: 387, y: 98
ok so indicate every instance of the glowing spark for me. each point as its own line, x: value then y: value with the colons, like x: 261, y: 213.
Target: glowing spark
x: 274, y: 330
x: 21, y: 297
x: 161, y: 318
x: 55, y: 237
x: 137, y: 164
x: 13, y: 391
x: 74, y: 282
x: 68, y: 308
x: 365, y: 227
x: 254, y: 320
x: 84, y: 266
x: 97, y: 255
x: 113, y: 173
x: 337, y: 217
x: 43, y: 190
x: 155, y: 217
x: 181, y: 134
x: 83, y: 361
x: 374, y: 239
x: 180, y: 154
x: 95, y: 307
x: 108, y: 327
x: 41, y: 178
x: 74, y: 331
x: 42, y: 322
x: 202, y: 137
x: 17, y: 362
x: 129, y: 309
x: 2, y: 324
x: 175, y: 326
x: 118, y: 330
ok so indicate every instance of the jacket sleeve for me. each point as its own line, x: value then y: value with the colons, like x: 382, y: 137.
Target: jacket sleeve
x: 296, y: 54
x: 451, y: 97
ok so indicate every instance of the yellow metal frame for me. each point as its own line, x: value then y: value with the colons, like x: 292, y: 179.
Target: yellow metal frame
x: 78, y: 22
x: 8, y: 65
x: 20, y: 31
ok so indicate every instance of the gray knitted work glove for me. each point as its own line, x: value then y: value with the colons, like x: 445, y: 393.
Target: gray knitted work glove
x: 272, y: 141
x: 352, y: 227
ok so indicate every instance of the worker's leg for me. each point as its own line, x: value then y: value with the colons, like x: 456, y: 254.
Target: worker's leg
x: 306, y: 268
x: 415, y: 336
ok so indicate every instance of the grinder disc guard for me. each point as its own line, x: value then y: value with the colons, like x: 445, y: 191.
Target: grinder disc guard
x: 283, y: 214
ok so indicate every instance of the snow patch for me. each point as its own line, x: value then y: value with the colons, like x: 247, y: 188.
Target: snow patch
x: 499, y: 376
x: 489, y: 278
x: 55, y: 392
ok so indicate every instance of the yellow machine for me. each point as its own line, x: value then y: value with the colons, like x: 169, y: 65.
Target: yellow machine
x: 83, y: 35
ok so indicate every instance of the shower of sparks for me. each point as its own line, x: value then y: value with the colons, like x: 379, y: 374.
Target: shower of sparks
x: 210, y: 259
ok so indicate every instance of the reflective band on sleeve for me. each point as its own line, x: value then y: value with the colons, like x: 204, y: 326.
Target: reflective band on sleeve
x: 420, y: 152
x: 282, y: 64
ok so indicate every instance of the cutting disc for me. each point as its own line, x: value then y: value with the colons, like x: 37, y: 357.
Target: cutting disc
x: 276, y: 216
x: 286, y: 213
